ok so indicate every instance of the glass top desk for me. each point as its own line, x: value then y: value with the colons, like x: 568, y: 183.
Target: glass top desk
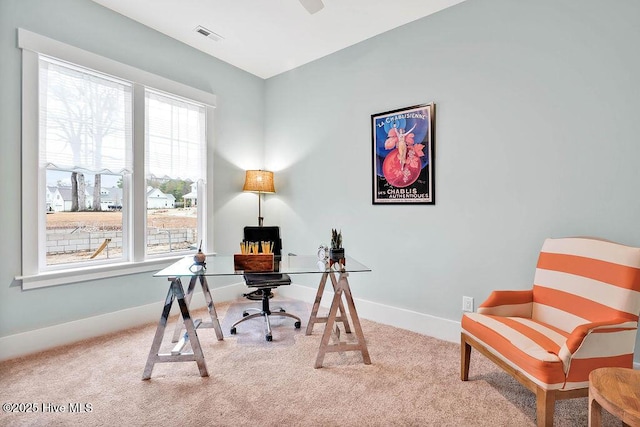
x: 224, y: 266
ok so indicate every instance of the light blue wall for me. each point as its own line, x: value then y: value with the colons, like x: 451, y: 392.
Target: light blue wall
x: 537, y: 136
x: 238, y: 132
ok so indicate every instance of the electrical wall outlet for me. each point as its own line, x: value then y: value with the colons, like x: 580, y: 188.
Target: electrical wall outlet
x: 467, y: 304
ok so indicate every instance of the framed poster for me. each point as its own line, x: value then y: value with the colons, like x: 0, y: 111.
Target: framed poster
x: 403, y: 155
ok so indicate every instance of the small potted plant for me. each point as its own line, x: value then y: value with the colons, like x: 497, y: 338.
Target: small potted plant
x: 336, y: 252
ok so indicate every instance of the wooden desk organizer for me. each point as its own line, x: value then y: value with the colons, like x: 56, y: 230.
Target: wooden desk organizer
x: 253, y: 262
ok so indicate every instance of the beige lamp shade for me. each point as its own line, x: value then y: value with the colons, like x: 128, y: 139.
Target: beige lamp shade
x: 260, y: 181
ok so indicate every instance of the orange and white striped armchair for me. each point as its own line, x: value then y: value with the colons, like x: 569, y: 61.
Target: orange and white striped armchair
x: 581, y: 314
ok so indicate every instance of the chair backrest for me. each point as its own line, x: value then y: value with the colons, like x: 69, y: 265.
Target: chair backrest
x: 264, y: 234
x: 584, y: 280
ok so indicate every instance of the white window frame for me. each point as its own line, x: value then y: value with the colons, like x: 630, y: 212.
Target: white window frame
x: 34, y: 184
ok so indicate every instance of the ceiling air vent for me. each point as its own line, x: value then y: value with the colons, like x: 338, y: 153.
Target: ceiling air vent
x: 208, y: 33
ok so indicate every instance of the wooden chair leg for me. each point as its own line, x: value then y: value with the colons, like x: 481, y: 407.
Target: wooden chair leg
x: 545, y: 407
x: 465, y: 358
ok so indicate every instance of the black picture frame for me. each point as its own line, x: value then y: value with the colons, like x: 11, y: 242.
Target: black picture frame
x: 403, y: 154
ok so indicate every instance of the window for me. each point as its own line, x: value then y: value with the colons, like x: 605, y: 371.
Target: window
x: 114, y: 166
x: 85, y: 148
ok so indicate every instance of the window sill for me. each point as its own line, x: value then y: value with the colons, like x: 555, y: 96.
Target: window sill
x: 85, y: 274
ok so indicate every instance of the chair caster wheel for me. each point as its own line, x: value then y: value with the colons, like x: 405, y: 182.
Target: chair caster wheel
x: 282, y: 310
x: 233, y: 331
x: 269, y: 338
x: 245, y: 314
x: 297, y: 325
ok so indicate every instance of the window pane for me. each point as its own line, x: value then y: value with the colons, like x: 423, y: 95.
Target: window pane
x: 172, y: 216
x: 175, y: 138
x: 85, y: 120
x: 83, y: 221
x: 85, y: 148
x: 175, y: 155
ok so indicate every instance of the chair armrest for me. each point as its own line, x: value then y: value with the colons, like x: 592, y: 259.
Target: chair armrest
x: 615, y: 336
x: 508, y: 304
x: 580, y: 332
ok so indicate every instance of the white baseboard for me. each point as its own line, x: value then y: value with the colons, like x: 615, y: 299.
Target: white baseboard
x: 437, y: 327
x: 66, y: 333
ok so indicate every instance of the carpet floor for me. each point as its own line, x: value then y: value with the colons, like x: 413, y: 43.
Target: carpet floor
x: 414, y: 380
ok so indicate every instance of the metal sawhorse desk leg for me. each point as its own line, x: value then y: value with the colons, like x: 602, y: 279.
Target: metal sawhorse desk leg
x: 340, y: 287
x: 214, y: 323
x: 176, y: 291
x: 314, y: 318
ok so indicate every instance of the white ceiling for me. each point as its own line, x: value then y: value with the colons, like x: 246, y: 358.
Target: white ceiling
x: 268, y: 37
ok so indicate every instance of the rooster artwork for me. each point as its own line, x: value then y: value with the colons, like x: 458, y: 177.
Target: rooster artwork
x: 403, y: 155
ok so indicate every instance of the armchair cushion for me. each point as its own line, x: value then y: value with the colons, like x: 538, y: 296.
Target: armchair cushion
x: 524, y: 344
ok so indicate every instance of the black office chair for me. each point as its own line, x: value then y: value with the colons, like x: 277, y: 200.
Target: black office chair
x: 265, y: 282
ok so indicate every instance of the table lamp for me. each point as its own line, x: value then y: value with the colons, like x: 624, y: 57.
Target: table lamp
x: 261, y: 182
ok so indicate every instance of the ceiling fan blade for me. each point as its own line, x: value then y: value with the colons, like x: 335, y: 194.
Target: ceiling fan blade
x: 312, y: 6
